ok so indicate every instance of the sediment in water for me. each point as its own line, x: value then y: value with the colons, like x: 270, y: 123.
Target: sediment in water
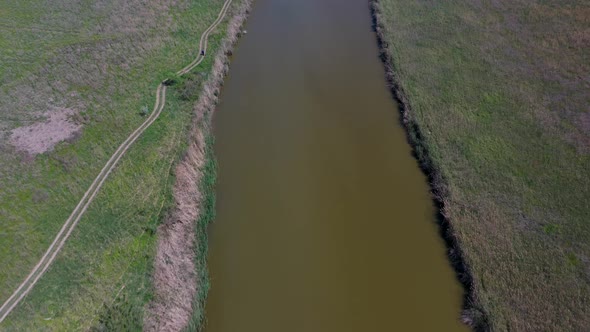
x: 472, y: 314
x: 180, y: 269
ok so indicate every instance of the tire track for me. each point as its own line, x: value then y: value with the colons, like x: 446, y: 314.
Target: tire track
x: 70, y: 223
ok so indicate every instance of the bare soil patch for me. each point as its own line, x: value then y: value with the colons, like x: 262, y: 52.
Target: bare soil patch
x: 43, y: 136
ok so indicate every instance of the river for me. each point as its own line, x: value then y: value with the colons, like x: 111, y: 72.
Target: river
x: 324, y: 219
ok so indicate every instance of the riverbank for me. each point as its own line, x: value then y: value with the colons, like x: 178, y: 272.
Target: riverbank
x: 495, y: 105
x: 102, y: 277
x: 181, y: 277
x: 472, y: 314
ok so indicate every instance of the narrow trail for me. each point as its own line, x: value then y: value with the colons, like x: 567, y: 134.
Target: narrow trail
x: 69, y: 225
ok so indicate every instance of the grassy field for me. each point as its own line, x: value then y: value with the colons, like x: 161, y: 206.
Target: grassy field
x: 102, y: 60
x: 500, y: 93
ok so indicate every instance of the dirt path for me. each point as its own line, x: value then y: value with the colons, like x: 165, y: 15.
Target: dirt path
x: 69, y: 225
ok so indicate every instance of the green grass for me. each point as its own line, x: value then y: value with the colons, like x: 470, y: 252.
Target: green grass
x: 207, y: 216
x: 101, y: 278
x: 499, y: 92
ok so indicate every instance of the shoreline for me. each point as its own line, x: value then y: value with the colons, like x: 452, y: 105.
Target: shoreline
x: 472, y: 314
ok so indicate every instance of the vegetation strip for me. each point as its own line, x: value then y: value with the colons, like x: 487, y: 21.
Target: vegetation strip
x: 90, y: 194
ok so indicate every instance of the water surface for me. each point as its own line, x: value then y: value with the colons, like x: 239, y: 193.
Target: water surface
x: 324, y: 220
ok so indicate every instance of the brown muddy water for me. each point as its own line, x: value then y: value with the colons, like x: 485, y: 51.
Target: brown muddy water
x: 324, y: 220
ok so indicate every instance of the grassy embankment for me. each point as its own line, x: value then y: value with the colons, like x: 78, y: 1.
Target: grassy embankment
x: 105, y: 62
x: 186, y: 225
x: 497, y: 102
